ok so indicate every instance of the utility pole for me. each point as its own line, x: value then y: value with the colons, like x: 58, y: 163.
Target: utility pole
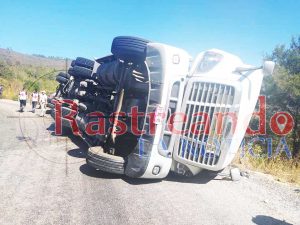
x: 66, y: 65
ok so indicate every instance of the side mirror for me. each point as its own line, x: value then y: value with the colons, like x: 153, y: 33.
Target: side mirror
x: 268, y: 67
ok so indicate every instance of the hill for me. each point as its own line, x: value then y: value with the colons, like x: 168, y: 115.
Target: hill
x: 18, y: 70
x: 11, y: 57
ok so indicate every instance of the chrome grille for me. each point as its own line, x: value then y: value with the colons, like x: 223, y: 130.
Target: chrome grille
x: 206, y: 101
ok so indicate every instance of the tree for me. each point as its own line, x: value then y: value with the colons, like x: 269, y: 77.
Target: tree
x: 31, y: 86
x: 5, y: 70
x: 283, y: 89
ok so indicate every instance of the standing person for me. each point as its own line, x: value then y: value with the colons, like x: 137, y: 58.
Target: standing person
x: 1, y: 90
x: 22, y: 99
x: 43, y: 103
x: 34, y: 100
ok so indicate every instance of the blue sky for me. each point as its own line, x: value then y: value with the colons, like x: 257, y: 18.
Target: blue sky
x: 86, y: 28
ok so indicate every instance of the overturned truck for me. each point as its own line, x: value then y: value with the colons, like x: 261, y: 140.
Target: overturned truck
x: 148, y: 109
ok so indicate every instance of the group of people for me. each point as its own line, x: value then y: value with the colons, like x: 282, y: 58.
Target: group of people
x: 36, y: 98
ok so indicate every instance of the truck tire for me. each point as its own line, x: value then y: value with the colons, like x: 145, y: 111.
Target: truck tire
x: 66, y: 111
x: 129, y: 48
x: 51, y: 105
x: 81, y: 72
x: 83, y: 62
x: 61, y: 79
x: 105, y: 162
x: 71, y: 71
x: 66, y: 127
x: 65, y: 75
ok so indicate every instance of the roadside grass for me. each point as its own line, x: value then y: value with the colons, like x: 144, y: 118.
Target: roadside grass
x: 15, y: 77
x: 13, y: 86
x: 280, y: 167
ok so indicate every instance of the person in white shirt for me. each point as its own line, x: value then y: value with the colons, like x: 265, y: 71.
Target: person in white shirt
x: 22, y: 99
x: 43, y: 103
x: 34, y: 100
x: 1, y: 90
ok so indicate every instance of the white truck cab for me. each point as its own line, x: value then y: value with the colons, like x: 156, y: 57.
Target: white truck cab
x: 215, y: 95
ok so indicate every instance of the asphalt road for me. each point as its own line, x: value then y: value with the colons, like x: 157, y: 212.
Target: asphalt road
x: 44, y: 180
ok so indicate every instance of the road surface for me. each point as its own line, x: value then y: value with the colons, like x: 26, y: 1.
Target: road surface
x: 44, y: 180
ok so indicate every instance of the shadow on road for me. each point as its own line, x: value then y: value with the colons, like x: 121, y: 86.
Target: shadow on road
x: 82, y: 146
x: 202, y: 178
x: 268, y: 220
x: 51, y: 128
x: 77, y: 153
x: 80, y: 152
x: 139, y: 181
x: 92, y: 172
x: 78, y: 142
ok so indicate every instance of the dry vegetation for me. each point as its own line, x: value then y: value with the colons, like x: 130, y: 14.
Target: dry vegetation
x: 32, y: 72
x: 280, y: 166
